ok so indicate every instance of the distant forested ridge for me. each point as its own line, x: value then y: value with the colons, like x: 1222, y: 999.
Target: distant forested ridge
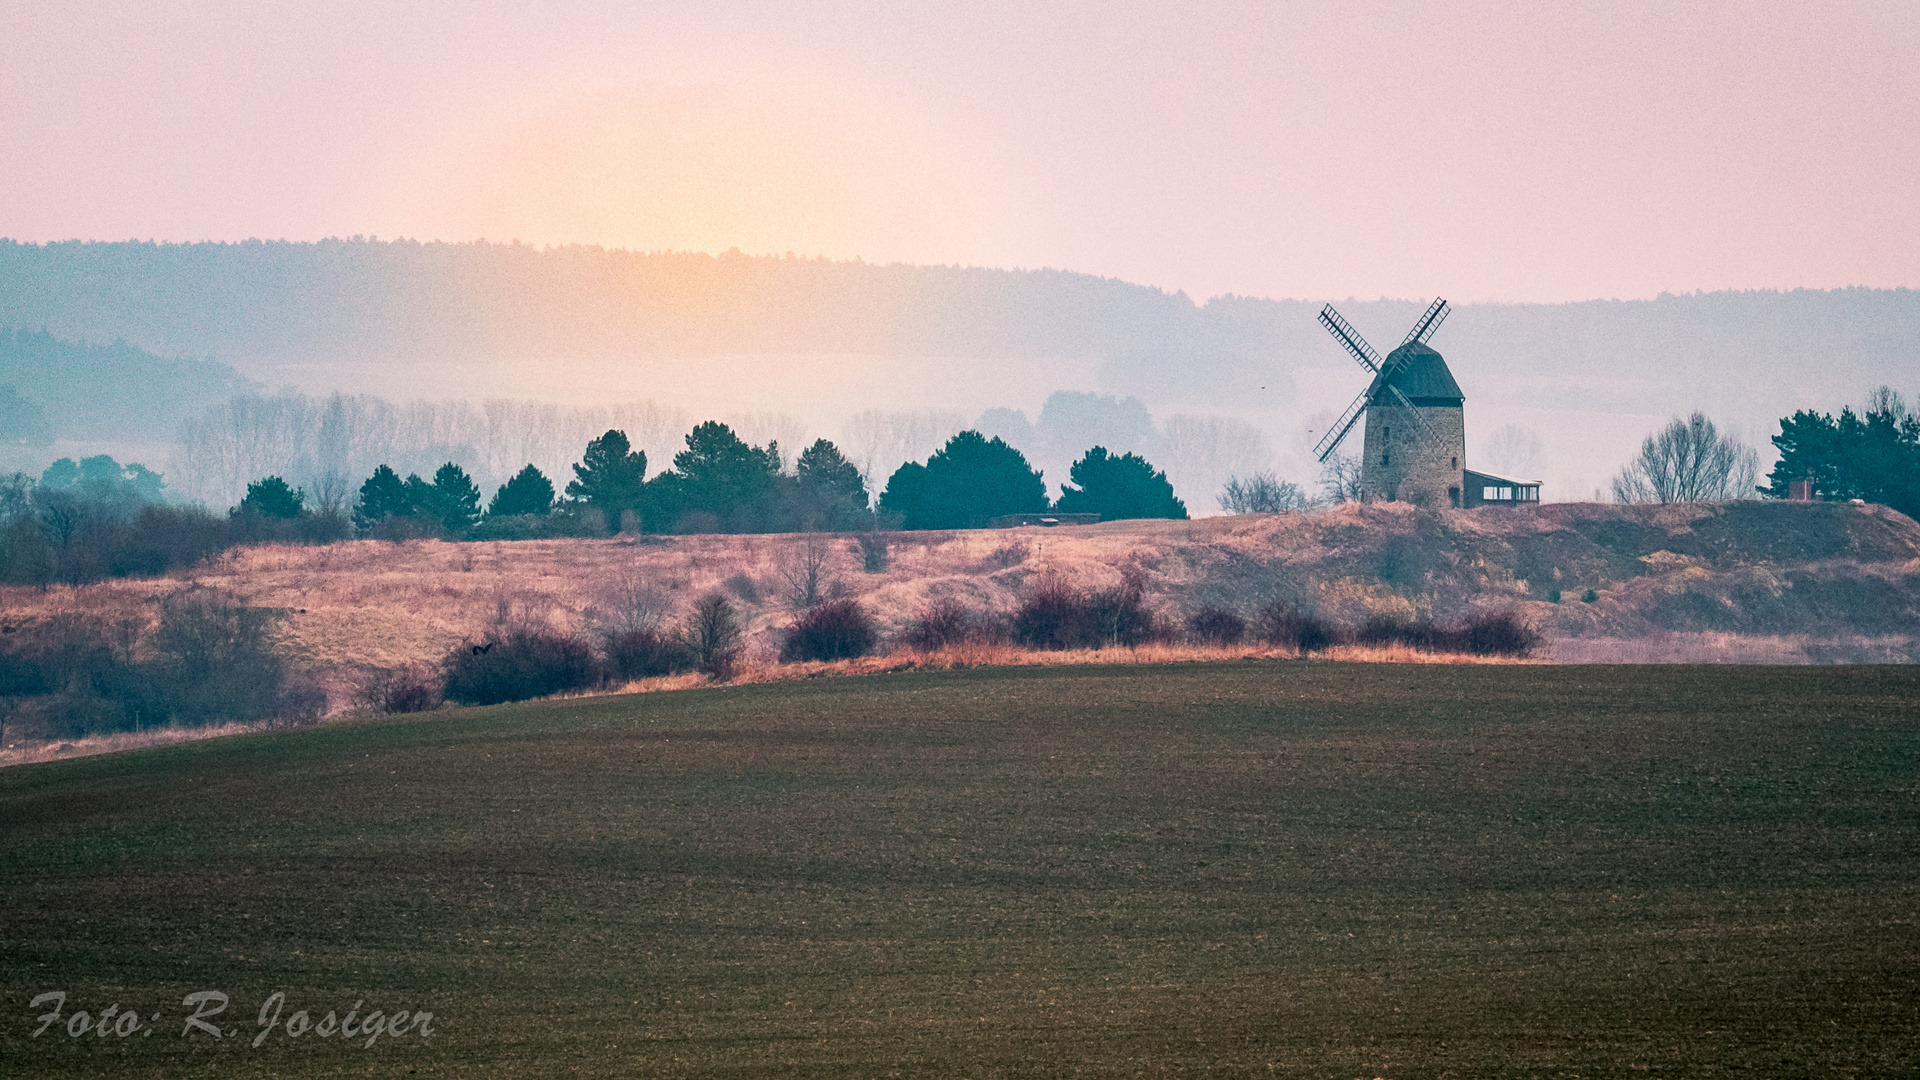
x: 110, y: 391
x: 360, y: 299
x: 824, y: 343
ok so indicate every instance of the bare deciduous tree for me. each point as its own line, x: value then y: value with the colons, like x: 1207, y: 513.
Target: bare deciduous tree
x: 1340, y: 479
x: 223, y: 448
x: 1511, y: 450
x: 1263, y: 493
x: 1199, y: 453
x: 784, y: 433
x: 629, y: 601
x: 877, y: 442
x: 1887, y: 400
x: 805, y: 566
x: 1688, y: 461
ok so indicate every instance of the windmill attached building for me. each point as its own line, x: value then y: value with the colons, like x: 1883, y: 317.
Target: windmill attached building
x: 1415, y: 439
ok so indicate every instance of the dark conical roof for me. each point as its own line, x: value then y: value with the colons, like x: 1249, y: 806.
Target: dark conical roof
x: 1420, y: 373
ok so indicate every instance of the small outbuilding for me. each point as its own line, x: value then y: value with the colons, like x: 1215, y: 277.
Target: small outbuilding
x: 1486, y: 489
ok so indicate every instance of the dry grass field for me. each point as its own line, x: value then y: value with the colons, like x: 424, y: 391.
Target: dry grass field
x: 1740, y: 583
x: 1241, y: 869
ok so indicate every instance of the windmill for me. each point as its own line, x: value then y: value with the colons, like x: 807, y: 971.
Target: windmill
x: 1411, y: 392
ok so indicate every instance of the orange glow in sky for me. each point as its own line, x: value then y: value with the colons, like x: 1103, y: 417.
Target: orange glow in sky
x: 1477, y: 149
x: 707, y: 167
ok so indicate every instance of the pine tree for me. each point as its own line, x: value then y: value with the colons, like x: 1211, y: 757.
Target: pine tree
x: 720, y: 480
x: 1119, y: 487
x: 382, y: 496
x: 1875, y: 457
x: 529, y: 492
x: 456, y: 497
x: 832, y: 494
x: 272, y: 497
x: 964, y: 484
x: 610, y: 477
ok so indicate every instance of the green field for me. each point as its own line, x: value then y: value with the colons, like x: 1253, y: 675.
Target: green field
x: 1267, y: 868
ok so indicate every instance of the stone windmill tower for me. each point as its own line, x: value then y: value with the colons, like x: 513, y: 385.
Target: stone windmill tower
x: 1416, y: 435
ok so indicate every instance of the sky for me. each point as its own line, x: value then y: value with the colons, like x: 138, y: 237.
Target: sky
x: 1481, y: 151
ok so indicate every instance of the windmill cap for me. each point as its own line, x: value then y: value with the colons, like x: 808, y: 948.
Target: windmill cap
x: 1421, y: 374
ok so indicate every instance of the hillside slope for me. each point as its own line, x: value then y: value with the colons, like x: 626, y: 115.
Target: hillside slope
x: 1741, y: 582
x: 111, y: 391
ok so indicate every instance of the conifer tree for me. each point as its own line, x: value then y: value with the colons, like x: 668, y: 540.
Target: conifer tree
x: 964, y: 484
x: 382, y: 496
x: 273, y: 497
x: 529, y: 492
x: 610, y: 476
x: 1119, y: 487
x: 456, y: 497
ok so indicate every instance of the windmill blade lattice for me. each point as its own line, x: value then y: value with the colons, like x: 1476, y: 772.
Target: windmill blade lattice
x: 1369, y: 358
x: 1428, y: 436
x: 1436, y: 314
x: 1344, y: 332
x: 1331, y: 440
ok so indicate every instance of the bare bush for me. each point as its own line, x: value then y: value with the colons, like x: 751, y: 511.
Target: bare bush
x: 712, y: 636
x: 629, y: 601
x: 1217, y: 626
x: 524, y: 665
x: 214, y: 659
x: 1009, y: 555
x: 208, y: 659
x: 1055, y: 615
x: 873, y: 552
x: 71, y: 675
x: 1283, y: 624
x: 834, y: 630
x: 1500, y: 633
x: 1688, y: 461
x: 743, y: 586
x: 946, y: 623
x: 410, y: 688
x: 646, y: 654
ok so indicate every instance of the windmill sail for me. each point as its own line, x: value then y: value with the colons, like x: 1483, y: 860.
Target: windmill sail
x: 1412, y: 360
x: 1331, y: 440
x: 1350, y: 338
x: 1428, y: 435
x: 1422, y: 330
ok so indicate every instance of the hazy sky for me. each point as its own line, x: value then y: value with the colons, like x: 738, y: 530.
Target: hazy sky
x: 1505, y: 151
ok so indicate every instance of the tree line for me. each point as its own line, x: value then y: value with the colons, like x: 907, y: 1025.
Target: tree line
x: 1873, y: 456
x: 93, y: 519
x: 722, y: 484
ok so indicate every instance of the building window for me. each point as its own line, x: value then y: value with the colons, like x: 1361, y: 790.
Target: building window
x: 1496, y: 494
x: 1385, y: 460
x: 1456, y: 463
